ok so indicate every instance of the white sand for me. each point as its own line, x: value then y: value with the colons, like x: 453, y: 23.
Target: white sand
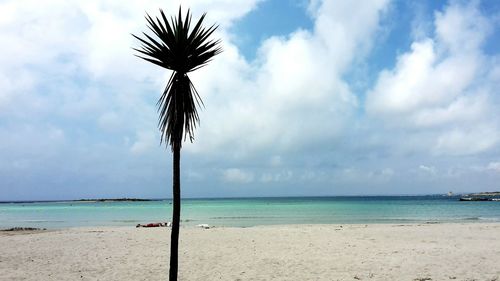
x: 317, y: 252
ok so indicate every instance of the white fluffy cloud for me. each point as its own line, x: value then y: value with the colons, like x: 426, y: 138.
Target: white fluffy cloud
x: 75, y: 60
x: 444, y: 87
x: 293, y: 95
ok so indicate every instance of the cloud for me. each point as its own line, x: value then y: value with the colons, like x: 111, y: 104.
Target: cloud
x: 145, y: 141
x: 234, y: 175
x: 293, y: 95
x: 427, y: 169
x: 494, y: 166
x: 442, y: 91
x: 387, y: 172
x: 279, y: 176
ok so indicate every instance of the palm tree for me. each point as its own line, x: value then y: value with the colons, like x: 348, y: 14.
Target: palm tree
x: 182, y: 50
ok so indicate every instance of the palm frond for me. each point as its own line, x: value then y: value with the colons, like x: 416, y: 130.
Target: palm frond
x: 183, y: 49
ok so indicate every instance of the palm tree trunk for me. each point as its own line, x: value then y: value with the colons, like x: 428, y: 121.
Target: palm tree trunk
x: 176, y: 214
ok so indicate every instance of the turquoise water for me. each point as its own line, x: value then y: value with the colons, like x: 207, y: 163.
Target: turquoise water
x: 243, y: 212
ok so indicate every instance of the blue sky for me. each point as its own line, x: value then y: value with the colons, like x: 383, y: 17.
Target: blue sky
x: 309, y: 98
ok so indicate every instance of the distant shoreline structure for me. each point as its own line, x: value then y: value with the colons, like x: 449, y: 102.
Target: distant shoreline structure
x: 83, y: 200
x: 482, y: 196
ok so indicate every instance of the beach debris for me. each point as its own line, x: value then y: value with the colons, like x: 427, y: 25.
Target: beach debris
x: 204, y: 226
x: 155, y: 224
x: 24, y: 229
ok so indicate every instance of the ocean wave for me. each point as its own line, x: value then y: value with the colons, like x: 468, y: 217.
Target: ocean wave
x: 479, y: 219
x: 489, y: 219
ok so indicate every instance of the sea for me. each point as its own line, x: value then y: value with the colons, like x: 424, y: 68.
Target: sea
x: 247, y: 212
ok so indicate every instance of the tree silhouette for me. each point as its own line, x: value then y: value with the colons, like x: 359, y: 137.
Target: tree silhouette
x: 182, y: 50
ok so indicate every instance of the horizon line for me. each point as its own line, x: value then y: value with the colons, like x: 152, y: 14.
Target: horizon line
x: 226, y: 197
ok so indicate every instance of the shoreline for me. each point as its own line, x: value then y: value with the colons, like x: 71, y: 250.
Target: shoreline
x: 444, y: 251
x: 465, y: 221
x: 198, y: 225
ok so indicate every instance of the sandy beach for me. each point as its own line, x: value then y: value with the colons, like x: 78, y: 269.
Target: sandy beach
x: 296, y: 252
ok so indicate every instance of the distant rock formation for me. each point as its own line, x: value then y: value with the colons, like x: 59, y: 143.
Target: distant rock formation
x: 482, y: 196
x: 113, y: 200
x: 493, y: 193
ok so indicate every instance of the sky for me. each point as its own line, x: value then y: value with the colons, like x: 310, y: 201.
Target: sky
x: 309, y: 98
